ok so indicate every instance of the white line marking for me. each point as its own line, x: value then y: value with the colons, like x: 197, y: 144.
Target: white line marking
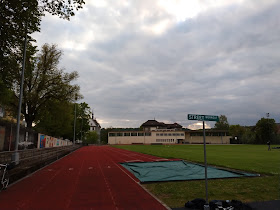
x: 126, y: 173
x: 161, y: 159
x: 133, y: 161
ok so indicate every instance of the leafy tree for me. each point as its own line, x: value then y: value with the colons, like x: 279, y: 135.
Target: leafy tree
x: 265, y: 130
x: 91, y: 137
x: 44, y: 82
x: 82, y: 119
x: 249, y: 136
x: 104, y: 134
x: 56, y: 119
x: 222, y: 124
x: 19, y: 18
x: 62, y: 8
x: 236, y: 131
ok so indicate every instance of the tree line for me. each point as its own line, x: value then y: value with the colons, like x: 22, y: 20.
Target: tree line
x: 265, y: 130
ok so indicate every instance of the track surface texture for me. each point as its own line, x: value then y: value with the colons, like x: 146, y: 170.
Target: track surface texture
x: 89, y: 178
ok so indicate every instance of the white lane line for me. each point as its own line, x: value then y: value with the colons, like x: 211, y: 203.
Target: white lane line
x: 160, y: 159
x: 134, y: 161
x: 126, y: 173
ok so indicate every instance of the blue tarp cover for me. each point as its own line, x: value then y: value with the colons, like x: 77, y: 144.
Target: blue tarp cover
x: 177, y: 170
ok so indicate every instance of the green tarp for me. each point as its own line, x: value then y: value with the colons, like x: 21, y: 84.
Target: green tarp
x: 177, y: 170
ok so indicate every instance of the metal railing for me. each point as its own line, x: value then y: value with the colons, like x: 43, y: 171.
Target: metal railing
x: 29, y: 156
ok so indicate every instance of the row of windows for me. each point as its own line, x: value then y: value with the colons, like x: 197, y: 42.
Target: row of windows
x: 166, y: 134
x: 170, y: 134
x: 131, y: 134
x: 165, y: 140
x: 209, y: 134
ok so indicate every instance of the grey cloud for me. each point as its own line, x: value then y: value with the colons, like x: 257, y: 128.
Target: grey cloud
x: 225, y: 61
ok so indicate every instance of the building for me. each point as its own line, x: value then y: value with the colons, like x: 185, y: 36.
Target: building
x: 94, y: 125
x: 154, y: 132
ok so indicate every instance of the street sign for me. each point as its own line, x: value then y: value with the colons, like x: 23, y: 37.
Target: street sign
x: 203, y: 117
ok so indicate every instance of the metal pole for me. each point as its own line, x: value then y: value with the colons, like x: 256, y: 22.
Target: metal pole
x: 16, y: 154
x: 10, y: 138
x: 82, y: 130
x: 206, y: 206
x: 74, y: 126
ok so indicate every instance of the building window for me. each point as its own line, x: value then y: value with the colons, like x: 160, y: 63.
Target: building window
x: 126, y: 134
x: 148, y: 134
x: 140, y: 134
x: 119, y: 134
x: 112, y: 134
x: 133, y: 134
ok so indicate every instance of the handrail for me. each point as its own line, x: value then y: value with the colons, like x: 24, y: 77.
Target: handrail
x: 6, y: 157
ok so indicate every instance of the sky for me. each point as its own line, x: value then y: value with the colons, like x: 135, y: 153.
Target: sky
x: 165, y: 59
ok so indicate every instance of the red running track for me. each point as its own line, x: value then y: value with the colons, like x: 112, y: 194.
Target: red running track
x: 89, y: 178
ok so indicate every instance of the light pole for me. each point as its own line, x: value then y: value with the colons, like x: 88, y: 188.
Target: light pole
x: 82, y: 130
x: 74, y: 123
x: 15, y: 156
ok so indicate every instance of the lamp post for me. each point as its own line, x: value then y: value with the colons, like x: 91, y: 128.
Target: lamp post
x: 74, y: 122
x: 82, y: 130
x: 15, y: 156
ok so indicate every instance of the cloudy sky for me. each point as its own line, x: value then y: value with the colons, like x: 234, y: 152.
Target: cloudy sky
x: 163, y: 59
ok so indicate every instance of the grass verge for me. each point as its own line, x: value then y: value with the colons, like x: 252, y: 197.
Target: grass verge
x: 251, y: 158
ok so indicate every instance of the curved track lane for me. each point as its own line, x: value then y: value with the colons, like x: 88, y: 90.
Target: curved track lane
x: 89, y: 178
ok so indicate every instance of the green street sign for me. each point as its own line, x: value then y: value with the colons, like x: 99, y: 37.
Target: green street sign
x: 203, y: 117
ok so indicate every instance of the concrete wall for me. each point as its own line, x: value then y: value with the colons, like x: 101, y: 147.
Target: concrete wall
x: 45, y: 141
x: 208, y: 139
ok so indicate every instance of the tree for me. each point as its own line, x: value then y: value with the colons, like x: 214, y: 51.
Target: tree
x: 62, y: 8
x: 91, y: 137
x: 82, y: 119
x: 222, y: 124
x: 265, y: 130
x: 44, y: 82
x: 104, y: 134
x: 56, y: 119
x: 18, y: 19
x: 249, y: 136
x: 236, y: 131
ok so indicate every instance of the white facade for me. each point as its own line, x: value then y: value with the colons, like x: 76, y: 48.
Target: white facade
x: 160, y: 133
x: 141, y: 137
x: 94, y: 125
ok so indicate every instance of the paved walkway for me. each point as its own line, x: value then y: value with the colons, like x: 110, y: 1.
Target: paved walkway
x: 89, y: 178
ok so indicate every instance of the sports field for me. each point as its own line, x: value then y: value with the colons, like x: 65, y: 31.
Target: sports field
x: 251, y: 158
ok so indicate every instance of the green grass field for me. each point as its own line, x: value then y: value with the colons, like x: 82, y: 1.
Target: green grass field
x: 251, y: 158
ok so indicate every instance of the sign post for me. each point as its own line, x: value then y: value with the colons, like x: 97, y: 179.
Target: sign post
x: 204, y: 118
